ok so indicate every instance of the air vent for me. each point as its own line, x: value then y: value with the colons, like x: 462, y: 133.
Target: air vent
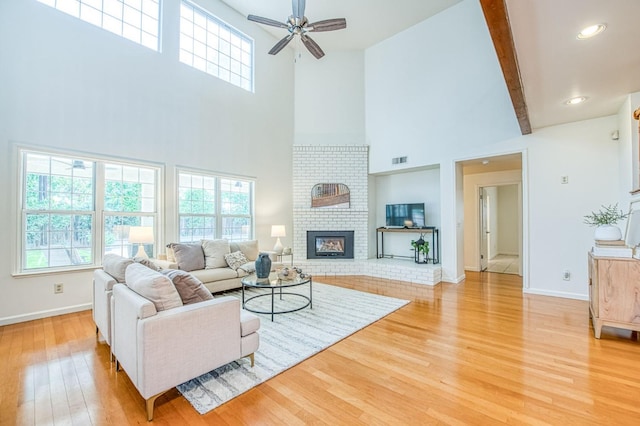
x: 398, y: 160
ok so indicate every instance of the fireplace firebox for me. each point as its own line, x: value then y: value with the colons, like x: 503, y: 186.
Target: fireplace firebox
x: 329, y: 244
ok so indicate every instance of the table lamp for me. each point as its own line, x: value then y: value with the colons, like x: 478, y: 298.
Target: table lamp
x: 278, y: 231
x: 141, y: 235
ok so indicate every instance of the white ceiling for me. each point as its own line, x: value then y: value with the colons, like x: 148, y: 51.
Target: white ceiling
x: 554, y: 65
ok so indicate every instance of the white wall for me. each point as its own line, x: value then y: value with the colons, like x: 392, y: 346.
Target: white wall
x: 72, y: 86
x: 329, y: 99
x: 411, y: 187
x: 434, y: 90
x: 508, y: 223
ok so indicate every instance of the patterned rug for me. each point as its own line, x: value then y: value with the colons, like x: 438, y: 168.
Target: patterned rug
x: 290, y: 339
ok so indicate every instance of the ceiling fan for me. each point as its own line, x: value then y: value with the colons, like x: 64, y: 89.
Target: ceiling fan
x: 297, y: 23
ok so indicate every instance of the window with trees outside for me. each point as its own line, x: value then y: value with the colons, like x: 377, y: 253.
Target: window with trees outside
x: 76, y: 209
x: 214, y: 207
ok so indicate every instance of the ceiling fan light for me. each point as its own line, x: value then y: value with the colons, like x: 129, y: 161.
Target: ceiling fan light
x: 577, y: 100
x: 591, y: 31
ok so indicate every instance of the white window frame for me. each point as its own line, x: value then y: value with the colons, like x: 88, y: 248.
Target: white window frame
x: 210, y: 45
x: 218, y: 215
x: 98, y: 244
x: 135, y: 20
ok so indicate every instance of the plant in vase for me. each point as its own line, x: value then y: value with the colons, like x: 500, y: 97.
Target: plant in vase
x: 421, y: 250
x: 605, y: 221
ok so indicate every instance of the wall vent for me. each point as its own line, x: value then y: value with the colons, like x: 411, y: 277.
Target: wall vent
x: 398, y: 160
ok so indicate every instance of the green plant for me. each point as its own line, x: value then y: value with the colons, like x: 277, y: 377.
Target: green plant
x: 607, y: 215
x: 422, y: 248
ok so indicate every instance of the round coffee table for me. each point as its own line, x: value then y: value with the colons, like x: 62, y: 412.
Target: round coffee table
x: 276, y: 286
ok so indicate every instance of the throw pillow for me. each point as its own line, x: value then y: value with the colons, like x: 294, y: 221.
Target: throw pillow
x: 249, y: 267
x: 249, y: 248
x: 189, y: 257
x: 116, y: 266
x: 235, y: 259
x: 154, y: 286
x: 171, y: 257
x: 214, y: 252
x: 190, y: 288
x: 146, y: 262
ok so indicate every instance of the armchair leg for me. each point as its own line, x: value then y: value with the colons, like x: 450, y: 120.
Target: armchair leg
x: 252, y: 358
x: 150, y: 403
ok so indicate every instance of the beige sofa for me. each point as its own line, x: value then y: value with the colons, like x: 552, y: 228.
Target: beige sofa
x: 149, y: 338
x: 217, y: 263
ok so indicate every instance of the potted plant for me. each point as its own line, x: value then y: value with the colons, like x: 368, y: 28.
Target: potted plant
x: 605, y: 221
x: 421, y: 248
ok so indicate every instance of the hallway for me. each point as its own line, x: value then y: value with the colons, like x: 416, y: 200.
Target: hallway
x: 504, y: 264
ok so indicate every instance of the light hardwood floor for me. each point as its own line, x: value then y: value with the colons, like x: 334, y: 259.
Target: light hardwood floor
x: 479, y: 352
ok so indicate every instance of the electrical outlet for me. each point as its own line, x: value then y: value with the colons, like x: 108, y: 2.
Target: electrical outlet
x: 564, y: 179
x: 566, y: 275
x: 58, y: 288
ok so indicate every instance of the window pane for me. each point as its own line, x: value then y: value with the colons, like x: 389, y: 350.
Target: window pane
x: 212, y: 42
x: 236, y: 228
x: 116, y: 234
x: 127, y: 18
x: 56, y: 240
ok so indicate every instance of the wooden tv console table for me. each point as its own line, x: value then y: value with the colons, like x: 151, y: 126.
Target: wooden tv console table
x: 435, y: 240
x: 614, y: 286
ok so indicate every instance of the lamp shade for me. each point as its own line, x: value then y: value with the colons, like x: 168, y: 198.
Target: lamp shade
x: 141, y: 234
x: 278, y: 231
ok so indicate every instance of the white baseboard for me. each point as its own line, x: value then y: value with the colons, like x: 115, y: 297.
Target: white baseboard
x: 44, y: 314
x: 552, y: 293
x: 472, y: 268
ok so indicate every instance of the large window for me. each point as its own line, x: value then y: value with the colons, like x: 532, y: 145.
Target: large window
x: 58, y: 211
x: 129, y: 200
x: 75, y: 209
x: 212, y: 46
x: 211, y: 207
x: 136, y: 20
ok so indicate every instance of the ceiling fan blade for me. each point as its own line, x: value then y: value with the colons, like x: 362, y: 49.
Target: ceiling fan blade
x: 281, y: 44
x: 267, y: 21
x: 327, y: 25
x: 298, y: 8
x: 312, y: 46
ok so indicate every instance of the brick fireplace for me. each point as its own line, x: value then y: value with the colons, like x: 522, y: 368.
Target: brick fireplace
x: 347, y: 165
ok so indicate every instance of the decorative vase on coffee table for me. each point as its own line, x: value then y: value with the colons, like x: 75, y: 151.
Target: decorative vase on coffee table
x: 263, y: 265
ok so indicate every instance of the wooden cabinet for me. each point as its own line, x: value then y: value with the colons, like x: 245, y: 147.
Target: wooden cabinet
x: 614, y: 293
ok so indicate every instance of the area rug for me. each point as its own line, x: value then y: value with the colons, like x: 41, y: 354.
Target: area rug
x: 291, y: 338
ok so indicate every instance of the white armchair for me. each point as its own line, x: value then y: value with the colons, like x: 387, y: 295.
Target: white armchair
x: 162, y: 349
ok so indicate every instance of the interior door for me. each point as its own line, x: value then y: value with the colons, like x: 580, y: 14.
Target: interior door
x: 484, y: 229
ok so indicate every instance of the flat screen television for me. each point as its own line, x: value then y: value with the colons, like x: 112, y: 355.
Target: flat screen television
x: 409, y: 215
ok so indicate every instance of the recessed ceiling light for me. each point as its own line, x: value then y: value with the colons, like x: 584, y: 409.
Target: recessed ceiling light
x: 591, y: 31
x: 577, y: 100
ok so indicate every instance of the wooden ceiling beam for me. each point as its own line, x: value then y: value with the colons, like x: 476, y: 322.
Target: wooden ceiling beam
x: 495, y: 13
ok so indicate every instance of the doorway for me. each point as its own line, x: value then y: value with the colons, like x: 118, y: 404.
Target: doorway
x: 499, y: 228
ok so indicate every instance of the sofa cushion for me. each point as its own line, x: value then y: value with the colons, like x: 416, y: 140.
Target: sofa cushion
x: 235, y: 259
x: 190, y: 288
x: 214, y: 252
x: 218, y: 274
x: 248, y: 248
x: 153, y: 286
x: 189, y: 257
x: 249, y: 323
x: 116, y: 266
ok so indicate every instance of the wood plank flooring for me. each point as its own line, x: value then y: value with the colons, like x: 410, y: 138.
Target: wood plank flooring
x: 479, y: 352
